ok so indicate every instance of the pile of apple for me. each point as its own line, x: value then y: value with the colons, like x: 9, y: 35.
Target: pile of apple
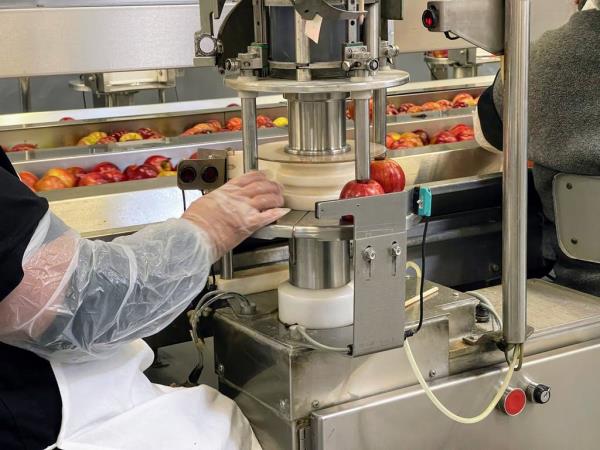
x: 461, y: 100
x: 100, y: 137
x: 233, y: 124
x: 102, y: 173
x: 420, y: 138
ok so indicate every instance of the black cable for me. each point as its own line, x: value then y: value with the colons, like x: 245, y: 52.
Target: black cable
x: 84, y: 101
x: 450, y: 36
x: 410, y: 333
x: 184, y: 201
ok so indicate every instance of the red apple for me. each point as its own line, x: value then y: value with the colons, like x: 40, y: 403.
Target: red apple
x: 233, y: 105
x: 355, y: 188
x: 423, y: 135
x: 29, y: 179
x: 107, y: 140
x: 263, y: 122
x: 77, y: 171
x: 159, y: 162
x: 431, y: 106
x: 145, y: 132
x: 444, y: 104
x: 200, y: 128
x: 389, y: 141
x: 391, y: 110
x: 414, y: 110
x: 130, y: 172
x: 389, y: 174
x: 92, y: 179
x: 68, y: 179
x: 234, y: 124
x: 405, y: 143
x: 114, y: 176
x: 49, y: 183
x: 463, y: 100
x: 66, y: 119
x: 105, y: 166
x: 117, y: 134
x: 215, y: 125
x: 444, y: 137
x: 404, y: 107
x: 22, y: 147
x: 145, y: 171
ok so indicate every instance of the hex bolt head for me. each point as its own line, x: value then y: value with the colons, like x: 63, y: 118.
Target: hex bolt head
x: 396, y: 249
x: 369, y: 254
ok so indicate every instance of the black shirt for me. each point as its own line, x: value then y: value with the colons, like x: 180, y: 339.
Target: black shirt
x: 30, y: 403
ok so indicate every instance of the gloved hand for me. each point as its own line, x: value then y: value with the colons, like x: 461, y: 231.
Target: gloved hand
x: 236, y: 210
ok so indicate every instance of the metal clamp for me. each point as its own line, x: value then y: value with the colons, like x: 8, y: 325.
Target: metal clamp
x: 253, y: 62
x: 358, y: 60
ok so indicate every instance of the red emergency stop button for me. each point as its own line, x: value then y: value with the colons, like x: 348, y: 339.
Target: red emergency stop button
x: 513, y: 401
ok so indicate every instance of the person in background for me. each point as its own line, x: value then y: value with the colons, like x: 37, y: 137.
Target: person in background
x: 564, y: 124
x: 70, y: 305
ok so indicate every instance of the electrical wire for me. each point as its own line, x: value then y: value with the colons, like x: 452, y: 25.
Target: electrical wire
x: 410, y: 333
x: 487, y: 304
x: 302, y: 331
x: 440, y: 406
x: 184, y: 200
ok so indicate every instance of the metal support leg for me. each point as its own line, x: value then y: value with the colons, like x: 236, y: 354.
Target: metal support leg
x: 249, y: 136
x: 361, y: 136
x: 379, y: 115
x: 514, y: 222
x: 227, y: 266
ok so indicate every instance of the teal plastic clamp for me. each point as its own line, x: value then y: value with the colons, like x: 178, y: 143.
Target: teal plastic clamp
x: 425, y: 200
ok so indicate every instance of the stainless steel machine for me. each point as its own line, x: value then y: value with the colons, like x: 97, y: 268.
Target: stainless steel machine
x: 342, y: 380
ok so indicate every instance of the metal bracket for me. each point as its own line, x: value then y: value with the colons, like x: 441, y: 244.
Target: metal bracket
x: 379, y: 257
x: 358, y: 60
x: 480, y: 22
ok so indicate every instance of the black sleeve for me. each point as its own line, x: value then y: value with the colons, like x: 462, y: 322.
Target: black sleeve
x: 20, y: 212
x: 490, y: 120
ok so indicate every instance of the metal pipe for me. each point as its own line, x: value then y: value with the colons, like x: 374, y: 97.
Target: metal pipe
x: 372, y: 29
x: 249, y: 135
x: 361, y: 136
x: 302, y: 49
x: 25, y: 91
x: 318, y: 264
x: 372, y: 32
x: 514, y: 202
x: 227, y: 266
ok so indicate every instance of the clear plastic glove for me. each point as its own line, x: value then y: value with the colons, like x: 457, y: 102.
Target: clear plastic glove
x: 233, y: 212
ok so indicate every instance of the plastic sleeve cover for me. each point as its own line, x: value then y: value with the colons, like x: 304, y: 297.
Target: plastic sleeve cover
x: 81, y: 299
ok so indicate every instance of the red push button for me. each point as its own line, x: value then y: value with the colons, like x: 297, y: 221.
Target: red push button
x: 513, y: 401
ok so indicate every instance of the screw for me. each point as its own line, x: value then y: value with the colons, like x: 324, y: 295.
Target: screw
x: 283, y: 404
x: 569, y: 186
x: 315, y: 404
x: 220, y: 369
x: 432, y: 373
x: 574, y: 241
x: 396, y: 249
x: 369, y: 254
x: 494, y: 267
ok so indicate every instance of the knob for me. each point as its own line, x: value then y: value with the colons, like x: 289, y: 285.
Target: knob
x: 538, y: 393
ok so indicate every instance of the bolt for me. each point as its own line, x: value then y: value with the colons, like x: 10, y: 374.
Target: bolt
x: 574, y: 241
x: 315, y: 404
x: 369, y: 254
x: 220, y: 369
x: 396, y: 249
x: 432, y: 373
x: 569, y: 186
x: 494, y: 267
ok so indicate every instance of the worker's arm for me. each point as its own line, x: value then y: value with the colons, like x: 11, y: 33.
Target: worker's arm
x: 80, y: 299
x: 487, y: 118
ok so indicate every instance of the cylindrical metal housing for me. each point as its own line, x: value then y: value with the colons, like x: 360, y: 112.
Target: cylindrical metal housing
x: 317, y: 123
x: 227, y: 266
x: 514, y: 202
x: 318, y: 264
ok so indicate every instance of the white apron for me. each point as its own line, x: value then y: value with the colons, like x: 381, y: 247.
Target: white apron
x: 110, y: 404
